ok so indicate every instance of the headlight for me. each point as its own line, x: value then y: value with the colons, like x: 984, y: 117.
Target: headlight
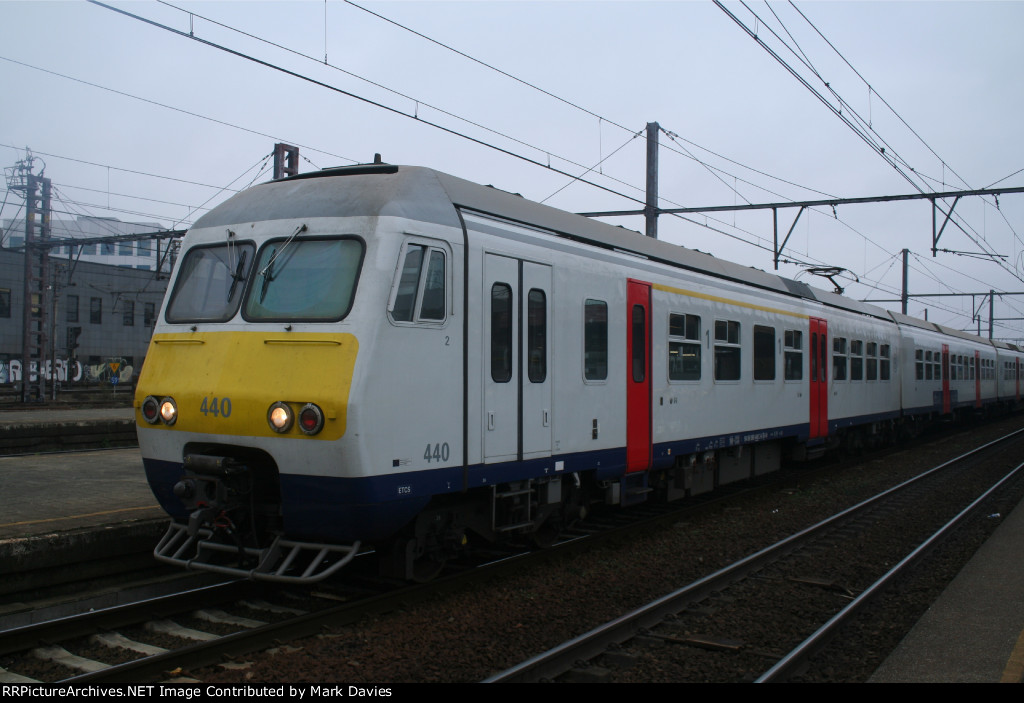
x: 168, y: 411
x: 311, y: 419
x: 280, y: 417
x: 151, y: 410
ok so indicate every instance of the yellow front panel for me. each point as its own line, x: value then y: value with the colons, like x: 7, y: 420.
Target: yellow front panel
x: 224, y: 382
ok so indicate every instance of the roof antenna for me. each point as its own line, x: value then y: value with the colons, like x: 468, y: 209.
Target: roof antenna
x: 376, y: 159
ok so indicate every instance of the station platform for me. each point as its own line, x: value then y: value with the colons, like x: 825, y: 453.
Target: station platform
x: 42, y: 428
x: 974, y: 632
x: 58, y: 510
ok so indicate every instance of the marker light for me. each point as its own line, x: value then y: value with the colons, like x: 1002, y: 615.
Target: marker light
x: 168, y: 411
x: 280, y: 417
x: 151, y: 410
x: 311, y: 419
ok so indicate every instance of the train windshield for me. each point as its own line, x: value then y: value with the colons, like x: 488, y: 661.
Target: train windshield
x: 210, y: 283
x: 304, y: 279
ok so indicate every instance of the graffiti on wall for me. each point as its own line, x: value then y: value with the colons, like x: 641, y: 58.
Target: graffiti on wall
x: 114, y: 370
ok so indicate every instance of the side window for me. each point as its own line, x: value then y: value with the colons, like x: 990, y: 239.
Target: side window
x: 420, y: 294
x: 537, y: 335
x: 839, y: 358
x: 501, y: 333
x: 872, y: 350
x: 434, y: 288
x: 727, y: 350
x: 919, y: 364
x: 794, y: 355
x: 595, y: 340
x: 885, y: 364
x: 764, y: 353
x: 856, y: 360
x: 683, y: 347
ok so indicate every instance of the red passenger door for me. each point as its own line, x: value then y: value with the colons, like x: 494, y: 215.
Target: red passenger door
x: 638, y: 376
x: 819, y: 377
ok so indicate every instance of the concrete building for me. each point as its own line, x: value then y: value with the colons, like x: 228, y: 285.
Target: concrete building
x: 100, y: 319
x: 140, y: 255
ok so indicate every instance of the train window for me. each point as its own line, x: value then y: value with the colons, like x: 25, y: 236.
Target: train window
x: 929, y: 367
x: 433, y: 288
x: 793, y: 358
x: 727, y: 350
x: 684, y: 357
x: 414, y: 285
x: 764, y: 353
x: 304, y: 279
x: 595, y: 340
x: 872, y: 361
x: 919, y: 364
x: 408, y: 285
x: 839, y: 358
x: 885, y: 364
x: 936, y: 366
x: 638, y: 325
x: 5, y: 303
x: 210, y: 283
x: 856, y: 360
x: 537, y: 335
x: 501, y: 333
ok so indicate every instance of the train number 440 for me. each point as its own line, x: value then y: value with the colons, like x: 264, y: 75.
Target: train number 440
x: 436, y: 452
x: 218, y: 407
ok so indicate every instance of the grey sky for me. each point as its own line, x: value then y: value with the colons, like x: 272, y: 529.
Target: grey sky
x: 952, y: 70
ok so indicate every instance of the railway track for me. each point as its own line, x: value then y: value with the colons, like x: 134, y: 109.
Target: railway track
x: 764, y: 617
x: 357, y: 603
x: 151, y: 639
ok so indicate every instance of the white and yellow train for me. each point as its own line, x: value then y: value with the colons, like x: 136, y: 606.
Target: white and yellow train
x: 394, y: 357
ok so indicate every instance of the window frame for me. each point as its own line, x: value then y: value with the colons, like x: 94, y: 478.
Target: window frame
x: 729, y: 347
x: 255, y: 280
x: 792, y: 348
x: 840, y: 359
x: 685, y: 343
x: 429, y: 247
x: 173, y: 317
x: 764, y: 341
x: 596, y: 326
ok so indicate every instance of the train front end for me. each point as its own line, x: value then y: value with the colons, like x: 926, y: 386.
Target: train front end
x: 243, y: 405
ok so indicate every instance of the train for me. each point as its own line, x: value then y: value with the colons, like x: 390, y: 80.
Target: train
x: 393, y: 359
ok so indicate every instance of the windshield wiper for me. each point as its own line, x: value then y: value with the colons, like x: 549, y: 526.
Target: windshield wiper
x: 268, y: 276
x: 237, y: 276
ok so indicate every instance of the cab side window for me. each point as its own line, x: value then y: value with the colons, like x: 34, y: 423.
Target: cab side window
x: 420, y: 293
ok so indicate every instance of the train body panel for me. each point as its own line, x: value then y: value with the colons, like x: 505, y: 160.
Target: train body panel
x: 394, y: 356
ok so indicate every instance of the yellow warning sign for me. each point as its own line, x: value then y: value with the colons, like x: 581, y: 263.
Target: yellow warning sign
x: 114, y: 366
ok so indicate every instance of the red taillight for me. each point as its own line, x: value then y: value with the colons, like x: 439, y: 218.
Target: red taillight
x: 311, y: 419
x: 151, y: 410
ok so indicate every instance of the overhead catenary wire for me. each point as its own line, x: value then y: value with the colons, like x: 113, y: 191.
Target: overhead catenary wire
x: 697, y: 223
x: 341, y: 91
x: 165, y: 106
x: 893, y: 161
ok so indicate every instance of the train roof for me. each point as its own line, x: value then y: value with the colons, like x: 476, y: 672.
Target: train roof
x: 424, y: 194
